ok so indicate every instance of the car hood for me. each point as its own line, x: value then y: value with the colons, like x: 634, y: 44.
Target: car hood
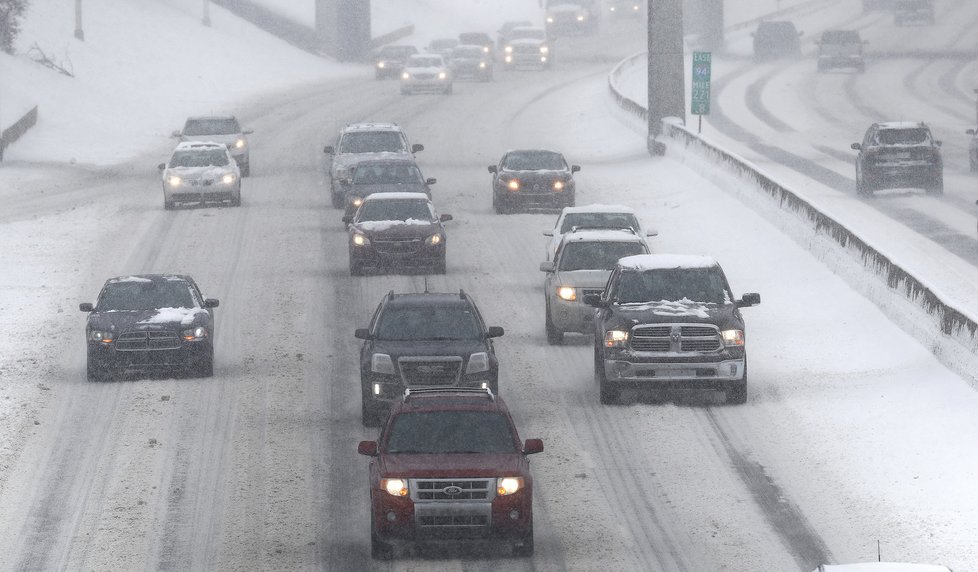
x: 225, y: 139
x: 209, y: 172
x: 348, y: 160
x: 398, y: 348
x: 723, y: 315
x: 527, y: 42
x: 156, y: 319
x: 411, y: 228
x: 424, y: 70
x: 364, y: 190
x: 450, y: 465
x: 583, y: 278
x: 537, y: 173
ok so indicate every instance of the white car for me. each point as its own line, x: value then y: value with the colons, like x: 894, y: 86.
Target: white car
x: 594, y: 216
x: 200, y: 172
x: 426, y: 72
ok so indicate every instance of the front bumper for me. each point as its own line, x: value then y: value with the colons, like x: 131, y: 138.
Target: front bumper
x: 413, y: 254
x: 539, y: 199
x: 652, y: 373
x: 107, y: 358
x: 852, y: 61
x: 382, y: 390
x: 426, y: 85
x: 572, y: 316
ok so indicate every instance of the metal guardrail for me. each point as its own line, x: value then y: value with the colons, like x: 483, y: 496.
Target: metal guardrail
x: 953, y: 322
x: 13, y: 133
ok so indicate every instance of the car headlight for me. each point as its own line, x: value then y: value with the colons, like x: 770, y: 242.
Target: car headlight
x: 442, y: 75
x: 558, y: 185
x: 508, y: 49
x: 395, y: 487
x: 482, y: 65
x: 101, y: 336
x: 227, y: 179
x: 485, y: 49
x: 580, y: 17
x: 405, y: 75
x: 360, y: 240
x: 356, y: 201
x: 174, y: 181
x: 550, y: 19
x: 381, y: 363
x: 434, y: 239
x: 508, y: 59
x: 381, y: 65
x: 240, y: 143
x: 508, y: 485
x: 733, y: 338
x: 568, y: 293
x: 544, y: 49
x: 478, y: 362
x: 198, y: 333
x: 513, y: 184
x: 615, y: 338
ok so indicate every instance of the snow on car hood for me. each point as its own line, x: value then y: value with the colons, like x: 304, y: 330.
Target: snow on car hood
x: 223, y: 139
x: 121, y: 320
x: 450, y: 465
x: 208, y: 172
x: 382, y: 225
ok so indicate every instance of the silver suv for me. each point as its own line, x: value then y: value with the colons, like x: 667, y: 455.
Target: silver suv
x: 357, y: 142
x: 581, y: 266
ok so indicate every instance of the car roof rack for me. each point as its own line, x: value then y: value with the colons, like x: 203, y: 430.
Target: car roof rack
x: 440, y: 389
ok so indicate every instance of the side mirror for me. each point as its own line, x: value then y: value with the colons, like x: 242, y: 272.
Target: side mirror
x: 856, y: 146
x: 494, y: 332
x: 575, y: 168
x: 652, y: 232
x: 247, y: 131
x: 532, y: 446
x: 970, y: 132
x: 595, y: 301
x: 161, y: 166
x: 937, y: 142
x: 328, y: 150
x: 752, y: 299
x: 176, y: 134
x: 430, y: 181
x: 368, y: 448
x: 492, y: 168
x: 347, y: 219
x: 547, y: 266
x: 417, y: 147
x: 361, y: 334
x: 548, y: 233
x: 85, y: 306
x: 211, y: 302
x: 444, y: 218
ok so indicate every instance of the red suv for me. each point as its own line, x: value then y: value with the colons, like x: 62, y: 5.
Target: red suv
x: 449, y: 466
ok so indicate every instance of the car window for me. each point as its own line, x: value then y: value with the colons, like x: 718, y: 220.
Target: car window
x: 425, y: 62
x: 212, y: 126
x: 145, y: 295
x: 528, y: 34
x: 446, y: 432
x: 598, y: 255
x: 402, y: 210
x: 467, y: 52
x: 694, y: 284
x: 390, y: 174
x: 199, y: 158
x: 598, y: 220
x: 912, y: 136
x: 534, y: 161
x: 455, y: 322
x: 372, y: 142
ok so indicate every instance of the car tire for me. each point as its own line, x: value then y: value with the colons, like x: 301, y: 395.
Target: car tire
x: 554, y: 336
x: 204, y: 367
x: 497, y: 205
x: 821, y: 67
x: 973, y: 163
x: 245, y: 169
x: 523, y: 548
x: 405, y: 92
x: 356, y: 268
x: 379, y: 550
x: 608, y: 395
x: 236, y: 199
x: 736, y: 392
x: 441, y: 267
x: 97, y: 371
x: 936, y: 187
x: 169, y: 205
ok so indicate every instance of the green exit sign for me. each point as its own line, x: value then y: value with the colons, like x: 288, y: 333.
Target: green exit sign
x: 702, y: 68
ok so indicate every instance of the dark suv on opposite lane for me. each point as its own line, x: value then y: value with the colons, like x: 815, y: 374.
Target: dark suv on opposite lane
x: 419, y: 340
x: 449, y: 466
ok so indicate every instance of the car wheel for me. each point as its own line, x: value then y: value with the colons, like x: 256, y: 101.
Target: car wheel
x: 523, y: 548
x: 245, y: 169
x: 97, y: 371
x: 608, y: 395
x: 973, y: 163
x: 356, y: 268
x: 736, y: 392
x: 204, y: 367
x: 936, y: 187
x: 497, y: 205
x: 441, y: 267
x: 236, y: 199
x: 405, y: 92
x: 821, y: 67
x: 168, y: 205
x: 554, y: 336
x: 379, y: 550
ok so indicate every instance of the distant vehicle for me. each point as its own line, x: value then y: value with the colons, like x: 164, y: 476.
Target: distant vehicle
x: 973, y: 150
x: 881, y: 567
x: 150, y: 323
x: 469, y: 61
x: 532, y: 177
x: 572, y: 16
x: 626, y: 8
x: 869, y: 5
x: 776, y: 39
x: 899, y: 154
x: 913, y: 11
x: 389, y: 60
x: 593, y: 217
x: 504, y: 32
x: 199, y: 173
x: 441, y: 46
x: 220, y: 129
x: 449, y: 467
x: 360, y: 141
x: 420, y: 340
x: 528, y: 47
x: 397, y: 231
x: 669, y: 322
x: 841, y: 49
x: 385, y: 176
x: 480, y: 39
x: 426, y: 73
x: 583, y: 262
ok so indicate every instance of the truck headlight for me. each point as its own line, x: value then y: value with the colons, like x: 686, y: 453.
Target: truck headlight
x: 478, y: 362
x: 482, y: 65
x: 381, y: 363
x: 568, y: 293
x: 558, y: 185
x: 360, y: 240
x: 733, y: 338
x: 508, y: 485
x: 395, y: 487
x: 198, y: 333
x: 513, y: 184
x: 615, y: 338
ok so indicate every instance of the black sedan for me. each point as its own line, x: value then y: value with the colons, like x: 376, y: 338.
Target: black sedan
x: 393, y: 175
x: 532, y: 178
x: 149, y: 323
x: 396, y: 231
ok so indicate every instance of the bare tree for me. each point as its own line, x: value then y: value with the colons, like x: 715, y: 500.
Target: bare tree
x: 11, y: 11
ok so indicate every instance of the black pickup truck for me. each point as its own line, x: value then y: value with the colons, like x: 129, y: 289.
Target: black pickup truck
x: 669, y: 322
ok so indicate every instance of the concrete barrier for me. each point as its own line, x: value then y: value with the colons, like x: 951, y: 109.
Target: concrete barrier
x: 13, y: 133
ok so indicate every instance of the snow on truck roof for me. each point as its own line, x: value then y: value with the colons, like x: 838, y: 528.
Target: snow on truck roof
x: 666, y: 261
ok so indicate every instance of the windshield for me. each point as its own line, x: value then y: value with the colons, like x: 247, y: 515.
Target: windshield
x: 598, y: 220
x: 451, y: 432
x: 454, y: 322
x: 145, y: 295
x: 534, y: 161
x: 200, y: 158
x: 467, y: 52
x: 372, y: 142
x: 404, y: 209
x: 215, y: 126
x: 704, y: 285
x: 598, y: 255
x: 425, y: 62
x: 386, y: 174
x: 912, y: 136
x: 527, y: 33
